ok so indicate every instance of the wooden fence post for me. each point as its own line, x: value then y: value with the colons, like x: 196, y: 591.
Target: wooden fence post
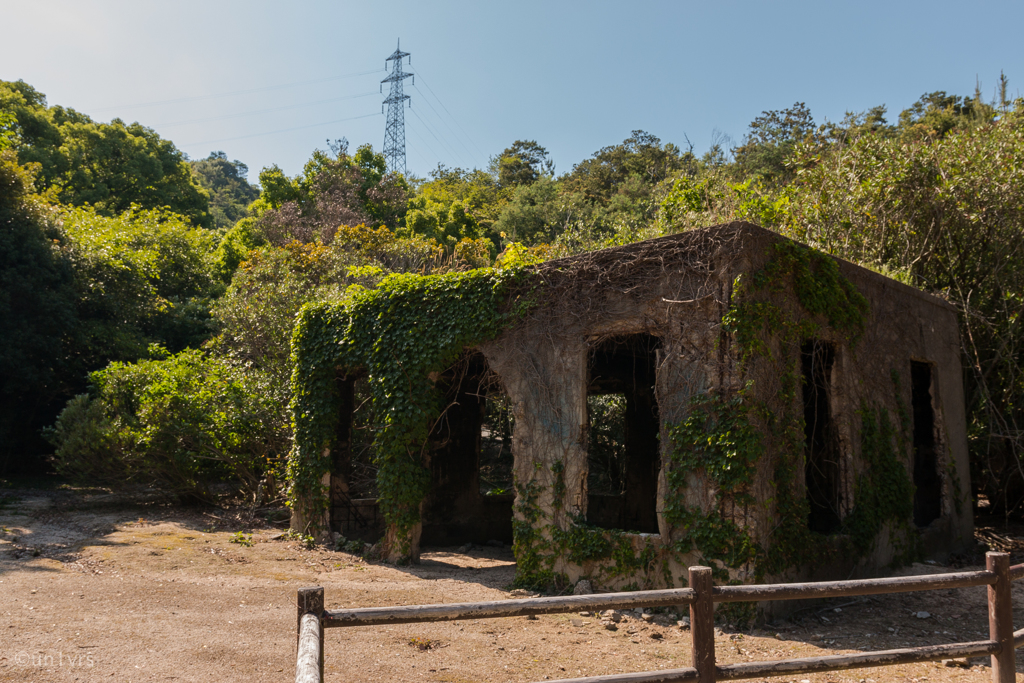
x: 702, y: 624
x: 311, y: 601
x: 1000, y: 618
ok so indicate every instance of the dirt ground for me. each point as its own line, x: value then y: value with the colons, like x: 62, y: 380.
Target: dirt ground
x: 95, y: 589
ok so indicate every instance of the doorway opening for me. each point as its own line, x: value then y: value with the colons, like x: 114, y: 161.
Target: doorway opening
x: 471, y: 460
x: 354, y: 512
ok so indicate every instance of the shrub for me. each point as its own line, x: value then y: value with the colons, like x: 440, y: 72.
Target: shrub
x: 181, y: 425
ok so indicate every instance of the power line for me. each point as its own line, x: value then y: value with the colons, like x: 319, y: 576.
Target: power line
x: 435, y: 154
x: 441, y: 119
x: 259, y: 111
x: 441, y: 142
x: 236, y: 92
x: 416, y: 149
x: 419, y: 73
x: 283, y: 130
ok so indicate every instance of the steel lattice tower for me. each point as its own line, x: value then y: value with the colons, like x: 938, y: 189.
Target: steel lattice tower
x: 394, y: 133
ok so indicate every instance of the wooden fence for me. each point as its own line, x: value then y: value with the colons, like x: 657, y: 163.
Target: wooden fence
x: 701, y: 596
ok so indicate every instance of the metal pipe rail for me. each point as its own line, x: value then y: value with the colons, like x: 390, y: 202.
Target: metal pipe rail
x: 701, y: 596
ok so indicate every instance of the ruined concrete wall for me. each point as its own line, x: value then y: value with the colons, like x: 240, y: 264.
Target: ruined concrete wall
x: 542, y: 364
x: 677, y: 289
x: 908, y: 325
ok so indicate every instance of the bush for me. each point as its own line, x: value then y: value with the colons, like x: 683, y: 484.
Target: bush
x: 180, y: 425
x: 83, y: 435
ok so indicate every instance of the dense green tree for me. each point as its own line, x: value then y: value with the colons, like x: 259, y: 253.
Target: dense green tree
x: 640, y: 156
x: 331, y: 191
x: 936, y: 114
x: 384, y: 195
x: 770, y: 141
x: 180, y: 424
x: 456, y: 204
x: 33, y: 131
x: 143, y: 277
x: 78, y: 289
x: 537, y: 213
x: 621, y: 181
x: 7, y: 123
x: 115, y: 166
x: 227, y: 184
x: 258, y: 310
x: 110, y: 166
x: 523, y: 163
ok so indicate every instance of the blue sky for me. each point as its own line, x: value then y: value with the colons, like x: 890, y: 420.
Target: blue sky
x: 268, y: 82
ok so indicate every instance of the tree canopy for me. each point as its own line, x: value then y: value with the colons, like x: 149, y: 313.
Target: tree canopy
x: 110, y: 166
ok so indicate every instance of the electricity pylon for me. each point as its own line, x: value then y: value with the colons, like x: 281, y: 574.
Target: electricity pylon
x: 394, y: 132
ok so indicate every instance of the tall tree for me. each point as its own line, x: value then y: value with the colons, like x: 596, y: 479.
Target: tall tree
x: 771, y: 139
x: 228, y: 186
x: 935, y: 114
x: 619, y: 181
x: 37, y: 307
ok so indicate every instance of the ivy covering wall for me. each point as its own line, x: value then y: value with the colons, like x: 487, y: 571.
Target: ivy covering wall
x: 398, y: 333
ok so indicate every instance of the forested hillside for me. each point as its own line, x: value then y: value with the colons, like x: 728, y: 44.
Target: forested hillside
x: 148, y: 300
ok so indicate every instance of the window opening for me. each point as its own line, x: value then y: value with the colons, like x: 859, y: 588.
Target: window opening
x: 623, y: 454
x: 823, y: 469
x: 496, y: 446
x: 606, y: 444
x: 927, y: 483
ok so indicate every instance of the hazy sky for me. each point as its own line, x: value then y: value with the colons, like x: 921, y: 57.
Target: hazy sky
x: 268, y: 82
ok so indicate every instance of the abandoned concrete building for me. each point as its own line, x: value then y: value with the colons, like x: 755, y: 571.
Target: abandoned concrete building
x: 721, y: 396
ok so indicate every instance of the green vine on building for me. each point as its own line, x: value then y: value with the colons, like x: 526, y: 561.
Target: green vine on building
x: 398, y: 333
x: 726, y: 434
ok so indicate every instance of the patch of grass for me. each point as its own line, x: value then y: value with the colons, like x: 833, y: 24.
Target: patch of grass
x: 306, y: 539
x: 242, y: 539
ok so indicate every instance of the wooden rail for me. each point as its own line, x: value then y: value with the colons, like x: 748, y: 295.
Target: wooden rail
x: 309, y: 663
x: 701, y: 596
x: 374, y: 616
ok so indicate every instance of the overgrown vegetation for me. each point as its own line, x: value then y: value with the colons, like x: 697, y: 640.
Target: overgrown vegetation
x: 158, y: 295
x: 398, y: 333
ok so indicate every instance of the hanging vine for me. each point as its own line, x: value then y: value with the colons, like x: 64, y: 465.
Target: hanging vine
x: 398, y: 333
